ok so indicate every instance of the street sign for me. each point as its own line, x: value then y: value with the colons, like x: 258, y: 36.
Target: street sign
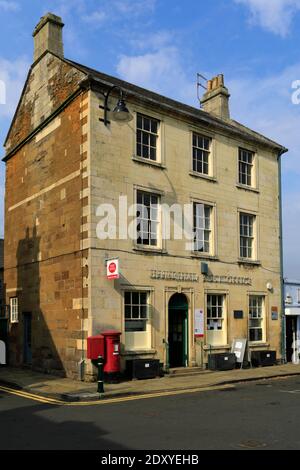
x: 112, y: 269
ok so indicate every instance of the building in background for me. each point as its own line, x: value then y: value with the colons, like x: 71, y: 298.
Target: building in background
x: 292, y: 319
x: 65, y: 158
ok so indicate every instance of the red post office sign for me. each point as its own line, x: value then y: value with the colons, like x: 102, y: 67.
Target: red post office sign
x: 112, y: 269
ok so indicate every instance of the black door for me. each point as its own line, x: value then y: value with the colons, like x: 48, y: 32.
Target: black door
x: 27, y: 319
x: 178, y: 329
x: 291, y: 330
x: 3, y: 329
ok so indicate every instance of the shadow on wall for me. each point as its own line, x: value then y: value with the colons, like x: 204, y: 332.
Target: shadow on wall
x: 31, y: 341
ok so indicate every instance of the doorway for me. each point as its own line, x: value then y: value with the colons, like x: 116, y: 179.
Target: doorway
x: 291, y: 336
x: 178, y: 331
x: 27, y: 351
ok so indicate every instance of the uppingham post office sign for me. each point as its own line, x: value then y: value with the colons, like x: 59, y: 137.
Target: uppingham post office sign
x: 112, y: 269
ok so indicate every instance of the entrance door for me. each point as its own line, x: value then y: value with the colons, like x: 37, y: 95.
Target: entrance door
x: 27, y: 320
x: 291, y: 336
x: 178, y: 331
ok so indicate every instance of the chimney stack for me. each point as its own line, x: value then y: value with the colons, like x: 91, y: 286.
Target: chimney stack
x: 216, y: 98
x: 48, y: 36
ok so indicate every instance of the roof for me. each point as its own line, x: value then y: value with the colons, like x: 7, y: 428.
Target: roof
x: 102, y: 80
x: 178, y: 107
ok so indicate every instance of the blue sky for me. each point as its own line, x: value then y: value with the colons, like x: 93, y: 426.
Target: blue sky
x: 161, y: 45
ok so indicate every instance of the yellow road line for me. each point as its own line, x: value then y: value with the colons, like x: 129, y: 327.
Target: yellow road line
x: 31, y: 396
x: 52, y: 401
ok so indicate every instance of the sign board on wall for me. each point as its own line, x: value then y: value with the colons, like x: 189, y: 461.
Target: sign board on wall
x: 112, y: 269
x: 199, y: 323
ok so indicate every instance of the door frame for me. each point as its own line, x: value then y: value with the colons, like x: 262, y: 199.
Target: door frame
x: 185, y: 327
x: 189, y: 293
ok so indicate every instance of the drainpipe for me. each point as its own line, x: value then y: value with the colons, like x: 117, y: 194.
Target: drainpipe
x: 282, y: 319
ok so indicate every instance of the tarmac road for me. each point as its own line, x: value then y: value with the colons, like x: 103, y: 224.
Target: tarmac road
x: 256, y: 415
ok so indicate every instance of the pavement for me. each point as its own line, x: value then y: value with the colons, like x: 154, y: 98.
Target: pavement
x: 187, y: 379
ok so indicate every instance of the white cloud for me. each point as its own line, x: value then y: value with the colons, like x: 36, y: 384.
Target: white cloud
x: 275, y: 16
x: 113, y: 11
x: 96, y: 17
x: 161, y: 71
x: 7, y: 5
x: 13, y: 75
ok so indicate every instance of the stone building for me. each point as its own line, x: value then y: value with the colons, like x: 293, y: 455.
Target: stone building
x: 175, y: 298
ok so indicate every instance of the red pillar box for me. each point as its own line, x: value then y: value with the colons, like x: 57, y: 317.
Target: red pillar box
x: 95, y: 347
x: 112, y: 355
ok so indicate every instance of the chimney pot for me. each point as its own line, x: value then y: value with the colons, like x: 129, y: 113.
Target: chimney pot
x: 48, y: 36
x: 216, y: 98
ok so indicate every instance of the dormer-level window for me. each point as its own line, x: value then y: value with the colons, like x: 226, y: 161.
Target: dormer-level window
x: 246, y: 168
x: 201, y: 154
x: 147, y: 130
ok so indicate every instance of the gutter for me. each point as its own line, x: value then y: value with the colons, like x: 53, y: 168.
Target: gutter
x: 283, y: 326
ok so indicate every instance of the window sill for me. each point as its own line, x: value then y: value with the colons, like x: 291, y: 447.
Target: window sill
x: 258, y: 344
x: 212, y: 179
x: 206, y: 256
x: 135, y: 352
x: 216, y: 348
x: 249, y: 262
x: 147, y: 249
x: 149, y: 162
x: 247, y: 188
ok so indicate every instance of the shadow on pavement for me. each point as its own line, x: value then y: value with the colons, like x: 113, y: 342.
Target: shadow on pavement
x: 25, y: 428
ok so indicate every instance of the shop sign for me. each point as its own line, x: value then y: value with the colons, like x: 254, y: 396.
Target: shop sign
x: 174, y: 276
x: 112, y: 269
x: 243, y: 281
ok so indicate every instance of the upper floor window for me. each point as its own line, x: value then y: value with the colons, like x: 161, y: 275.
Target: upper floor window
x: 148, y: 218
x: 246, y: 165
x: 247, y: 238
x: 14, y: 309
x: 147, y: 137
x: 203, y: 228
x: 201, y: 154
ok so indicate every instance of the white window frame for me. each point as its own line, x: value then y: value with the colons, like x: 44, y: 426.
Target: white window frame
x: 217, y: 337
x: 211, y: 176
x: 204, y: 229
x: 14, y: 309
x: 253, y: 237
x: 260, y: 315
x: 139, y: 305
x: 138, y: 340
x: 248, y: 166
x: 160, y: 141
x: 208, y: 151
x: 157, y: 194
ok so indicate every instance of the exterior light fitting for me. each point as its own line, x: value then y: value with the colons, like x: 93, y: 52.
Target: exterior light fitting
x: 120, y: 113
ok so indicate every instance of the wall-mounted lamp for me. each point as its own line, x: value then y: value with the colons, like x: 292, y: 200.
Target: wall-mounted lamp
x: 120, y: 112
